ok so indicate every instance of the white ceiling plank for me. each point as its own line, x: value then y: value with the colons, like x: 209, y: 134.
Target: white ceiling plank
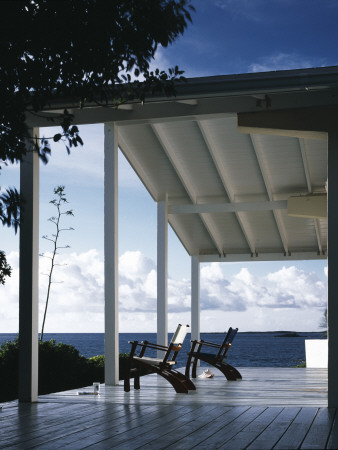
x: 171, y: 154
x: 216, y: 159
x: 137, y: 166
x: 214, y: 233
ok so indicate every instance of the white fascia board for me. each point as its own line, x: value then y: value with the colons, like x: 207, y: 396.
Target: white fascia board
x: 177, y: 108
x: 246, y: 257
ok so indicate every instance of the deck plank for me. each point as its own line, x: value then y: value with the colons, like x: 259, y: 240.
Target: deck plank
x: 272, y: 434
x: 259, y: 386
x: 250, y: 433
x: 189, y: 429
x: 231, y: 428
x: 295, y: 434
x: 319, y: 432
x: 198, y: 438
x: 333, y: 439
x: 76, y: 429
x: 77, y: 420
x: 281, y: 407
x: 158, y: 432
x: 37, y: 419
x: 132, y: 424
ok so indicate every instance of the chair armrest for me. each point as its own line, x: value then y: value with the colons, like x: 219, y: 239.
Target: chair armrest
x: 144, y: 346
x: 154, y: 346
x: 149, y: 344
x: 208, y: 344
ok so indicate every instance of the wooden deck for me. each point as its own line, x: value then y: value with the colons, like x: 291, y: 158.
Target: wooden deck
x: 270, y: 408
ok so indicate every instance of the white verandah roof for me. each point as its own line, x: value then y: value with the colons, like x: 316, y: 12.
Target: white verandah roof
x: 228, y: 190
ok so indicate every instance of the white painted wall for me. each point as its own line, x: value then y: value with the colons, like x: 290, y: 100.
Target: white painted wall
x: 316, y: 352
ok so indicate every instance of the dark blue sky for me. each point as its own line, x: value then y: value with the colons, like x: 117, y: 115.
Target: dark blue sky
x: 237, y: 36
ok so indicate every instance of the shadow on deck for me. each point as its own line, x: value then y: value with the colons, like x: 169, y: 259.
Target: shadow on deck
x: 270, y: 408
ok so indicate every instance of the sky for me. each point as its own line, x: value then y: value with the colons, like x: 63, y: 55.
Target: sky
x: 226, y: 37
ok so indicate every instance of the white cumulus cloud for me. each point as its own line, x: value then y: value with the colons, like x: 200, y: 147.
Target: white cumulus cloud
x: 246, y: 299
x: 284, y: 61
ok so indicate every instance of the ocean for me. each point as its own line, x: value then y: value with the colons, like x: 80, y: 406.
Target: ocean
x: 249, y: 349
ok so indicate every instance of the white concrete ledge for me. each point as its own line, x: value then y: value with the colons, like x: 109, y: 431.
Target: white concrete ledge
x: 316, y: 351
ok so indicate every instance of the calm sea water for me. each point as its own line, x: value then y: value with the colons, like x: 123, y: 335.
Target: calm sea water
x: 271, y: 349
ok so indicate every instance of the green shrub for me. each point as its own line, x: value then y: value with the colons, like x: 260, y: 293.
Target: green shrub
x: 301, y: 364
x: 61, y: 368
x: 9, y: 363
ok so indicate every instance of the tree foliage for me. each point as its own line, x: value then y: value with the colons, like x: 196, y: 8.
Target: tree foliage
x: 9, y: 213
x: 5, y: 268
x: 86, y: 50
x: 9, y: 216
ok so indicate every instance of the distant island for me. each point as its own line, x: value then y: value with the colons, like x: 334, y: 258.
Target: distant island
x: 288, y: 334
x: 276, y: 333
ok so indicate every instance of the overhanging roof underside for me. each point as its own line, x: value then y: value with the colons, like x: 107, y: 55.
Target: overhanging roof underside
x: 227, y: 191
x: 227, y: 186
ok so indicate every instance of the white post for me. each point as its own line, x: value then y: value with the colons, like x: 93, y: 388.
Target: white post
x: 29, y: 275
x: 111, y: 297
x: 195, y: 297
x: 332, y: 270
x: 162, y: 273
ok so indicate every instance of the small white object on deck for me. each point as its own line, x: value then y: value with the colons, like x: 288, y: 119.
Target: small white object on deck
x: 206, y: 374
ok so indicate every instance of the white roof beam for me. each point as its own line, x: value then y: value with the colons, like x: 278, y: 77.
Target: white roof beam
x: 181, y: 233
x: 169, y: 150
x: 302, y: 145
x: 222, y: 171
x: 267, y: 182
x: 185, y: 178
x: 318, y: 236
x: 213, y: 232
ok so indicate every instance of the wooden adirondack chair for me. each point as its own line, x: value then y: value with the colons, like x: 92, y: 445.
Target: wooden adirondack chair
x: 213, y: 358
x: 162, y: 366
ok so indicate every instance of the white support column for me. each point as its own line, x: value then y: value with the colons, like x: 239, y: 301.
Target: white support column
x: 332, y: 269
x: 111, y: 297
x: 162, y: 273
x: 195, y: 297
x: 29, y: 275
